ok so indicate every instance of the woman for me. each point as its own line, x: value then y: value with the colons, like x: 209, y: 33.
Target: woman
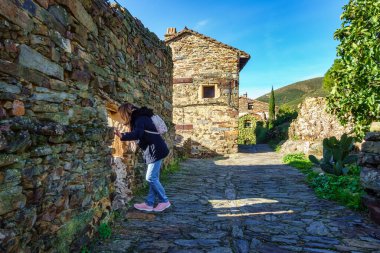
x: 154, y: 151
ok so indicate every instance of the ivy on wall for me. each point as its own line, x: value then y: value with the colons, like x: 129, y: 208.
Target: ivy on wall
x: 247, y: 126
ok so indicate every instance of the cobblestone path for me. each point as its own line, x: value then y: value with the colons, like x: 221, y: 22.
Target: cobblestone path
x: 248, y: 202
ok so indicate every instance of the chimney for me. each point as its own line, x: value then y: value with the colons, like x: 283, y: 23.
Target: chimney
x: 170, y: 32
x: 245, y: 95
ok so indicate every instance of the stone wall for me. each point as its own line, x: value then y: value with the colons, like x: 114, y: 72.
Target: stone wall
x: 312, y: 125
x: 63, y: 66
x: 211, y: 124
x: 370, y: 174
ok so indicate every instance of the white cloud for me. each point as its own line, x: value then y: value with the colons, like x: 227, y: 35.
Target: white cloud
x: 201, y: 23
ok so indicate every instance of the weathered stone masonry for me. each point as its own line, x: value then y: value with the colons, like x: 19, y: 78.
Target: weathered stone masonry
x: 369, y: 160
x: 205, y: 91
x: 312, y: 125
x: 64, y: 68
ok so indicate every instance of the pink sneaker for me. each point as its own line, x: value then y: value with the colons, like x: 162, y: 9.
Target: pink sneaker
x: 162, y: 206
x: 143, y: 207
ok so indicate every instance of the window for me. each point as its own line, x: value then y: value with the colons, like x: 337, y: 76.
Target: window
x: 247, y: 124
x: 208, y: 91
x: 250, y: 106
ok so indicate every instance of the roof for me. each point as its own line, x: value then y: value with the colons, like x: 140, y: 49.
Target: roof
x: 244, y: 57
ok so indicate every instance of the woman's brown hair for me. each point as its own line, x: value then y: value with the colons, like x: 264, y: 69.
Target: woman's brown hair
x: 125, y: 110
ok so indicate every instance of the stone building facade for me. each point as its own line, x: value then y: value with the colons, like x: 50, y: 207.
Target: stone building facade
x: 64, y: 68
x: 258, y: 109
x: 205, y: 92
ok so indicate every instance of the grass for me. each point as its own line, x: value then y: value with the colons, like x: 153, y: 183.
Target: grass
x: 346, y: 189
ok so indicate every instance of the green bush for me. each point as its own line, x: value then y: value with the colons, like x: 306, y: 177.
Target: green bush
x: 345, y: 189
x: 298, y: 160
x: 261, y: 132
x: 247, y: 133
x: 104, y: 231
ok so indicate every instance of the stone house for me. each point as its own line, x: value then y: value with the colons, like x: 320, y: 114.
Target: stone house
x: 258, y: 109
x: 64, y: 68
x: 205, y: 91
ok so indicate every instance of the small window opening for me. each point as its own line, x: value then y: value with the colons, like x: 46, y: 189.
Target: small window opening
x: 208, y: 91
x: 247, y: 124
x: 250, y: 106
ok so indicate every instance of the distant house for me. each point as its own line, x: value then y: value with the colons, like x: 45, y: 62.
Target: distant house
x: 205, y: 91
x: 258, y: 109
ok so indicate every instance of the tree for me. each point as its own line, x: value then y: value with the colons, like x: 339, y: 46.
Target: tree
x: 328, y: 79
x: 272, y: 109
x: 356, y: 96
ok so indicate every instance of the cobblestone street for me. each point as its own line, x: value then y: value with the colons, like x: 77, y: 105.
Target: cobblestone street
x: 248, y: 202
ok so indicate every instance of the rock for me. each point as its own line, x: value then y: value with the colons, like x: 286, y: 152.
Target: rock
x: 370, y: 178
x: 370, y: 160
x: 140, y: 216
x: 371, y: 147
x: 11, y: 199
x: 80, y: 14
x: 221, y: 250
x: 255, y: 243
x: 375, y: 127
x: 10, y: 46
x: 242, y: 246
x: 30, y: 58
x: 373, y: 205
x: 11, y: 88
x: 3, y: 113
x: 55, y: 97
x: 40, y: 40
x: 43, y: 3
x: 83, y: 77
x: 317, y: 228
x: 60, y: 117
x: 20, y: 143
x: 8, y: 105
x: 18, y: 108
x: 58, y: 85
x: 372, y: 136
x: 45, y: 107
x: 62, y: 42
x: 3, y: 142
x: 7, y: 159
x: 60, y: 14
x: 237, y: 232
x: 41, y: 151
x: 16, y: 15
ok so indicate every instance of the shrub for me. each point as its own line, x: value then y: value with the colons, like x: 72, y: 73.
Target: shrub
x: 104, y: 231
x: 345, y: 189
x: 336, y: 155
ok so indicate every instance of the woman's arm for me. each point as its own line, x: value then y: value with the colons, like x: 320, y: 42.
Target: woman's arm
x: 137, y: 133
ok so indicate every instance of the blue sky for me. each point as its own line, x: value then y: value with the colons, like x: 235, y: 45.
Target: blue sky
x: 288, y: 40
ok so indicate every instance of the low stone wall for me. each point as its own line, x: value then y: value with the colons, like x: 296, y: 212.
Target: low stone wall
x: 64, y: 67
x: 312, y: 125
x: 370, y: 174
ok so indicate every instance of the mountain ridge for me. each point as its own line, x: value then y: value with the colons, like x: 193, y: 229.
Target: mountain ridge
x: 293, y: 94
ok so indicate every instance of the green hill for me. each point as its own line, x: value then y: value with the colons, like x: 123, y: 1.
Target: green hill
x: 293, y: 94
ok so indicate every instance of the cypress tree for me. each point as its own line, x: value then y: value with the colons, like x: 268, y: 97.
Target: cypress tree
x: 272, y: 110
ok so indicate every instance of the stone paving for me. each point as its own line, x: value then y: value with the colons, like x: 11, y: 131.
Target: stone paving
x: 248, y: 202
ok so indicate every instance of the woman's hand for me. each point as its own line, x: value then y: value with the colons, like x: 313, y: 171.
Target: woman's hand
x: 117, y: 133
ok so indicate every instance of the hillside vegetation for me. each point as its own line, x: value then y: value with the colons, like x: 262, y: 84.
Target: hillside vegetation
x: 293, y: 94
